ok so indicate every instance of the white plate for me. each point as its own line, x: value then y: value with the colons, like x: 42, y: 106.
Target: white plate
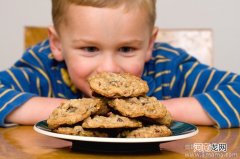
x: 180, y: 130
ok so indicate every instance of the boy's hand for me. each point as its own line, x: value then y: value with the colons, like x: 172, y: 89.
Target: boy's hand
x: 189, y: 110
x: 34, y: 110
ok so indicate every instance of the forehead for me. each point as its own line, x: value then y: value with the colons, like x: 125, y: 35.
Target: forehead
x: 73, y: 9
x: 60, y: 7
x: 85, y: 16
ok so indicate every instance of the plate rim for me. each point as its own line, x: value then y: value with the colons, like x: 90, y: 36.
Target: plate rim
x: 116, y: 140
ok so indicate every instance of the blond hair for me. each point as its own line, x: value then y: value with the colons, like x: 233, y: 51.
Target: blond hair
x: 59, y: 7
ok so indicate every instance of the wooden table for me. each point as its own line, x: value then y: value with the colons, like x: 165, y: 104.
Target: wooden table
x: 24, y: 142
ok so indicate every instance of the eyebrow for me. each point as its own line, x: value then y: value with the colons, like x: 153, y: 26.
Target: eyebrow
x: 130, y: 42
x: 124, y: 42
x: 83, y: 41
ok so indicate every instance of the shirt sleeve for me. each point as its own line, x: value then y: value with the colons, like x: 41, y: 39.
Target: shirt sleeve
x: 26, y: 79
x: 217, y: 91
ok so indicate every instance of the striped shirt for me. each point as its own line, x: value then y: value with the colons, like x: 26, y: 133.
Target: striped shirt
x: 171, y: 73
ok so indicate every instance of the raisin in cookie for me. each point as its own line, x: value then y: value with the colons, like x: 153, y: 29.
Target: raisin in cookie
x: 113, y: 121
x: 78, y: 130
x: 138, y: 107
x: 114, y: 85
x: 74, y: 111
x: 166, y: 120
x: 145, y: 132
x: 104, y: 109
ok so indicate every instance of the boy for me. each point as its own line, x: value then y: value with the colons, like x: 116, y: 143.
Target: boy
x: 89, y: 37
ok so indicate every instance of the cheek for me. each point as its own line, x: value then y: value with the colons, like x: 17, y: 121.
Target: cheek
x: 79, y: 71
x: 78, y: 75
x: 134, y: 67
x: 79, y: 67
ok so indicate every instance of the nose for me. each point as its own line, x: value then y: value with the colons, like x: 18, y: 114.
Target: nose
x: 109, y: 64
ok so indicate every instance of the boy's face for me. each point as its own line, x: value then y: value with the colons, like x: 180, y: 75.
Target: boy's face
x: 94, y: 40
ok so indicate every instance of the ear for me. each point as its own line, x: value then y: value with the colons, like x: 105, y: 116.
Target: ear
x: 151, y: 43
x: 55, y: 43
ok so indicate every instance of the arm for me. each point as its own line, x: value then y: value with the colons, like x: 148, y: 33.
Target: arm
x: 195, y: 92
x: 21, y: 86
x: 182, y: 109
x: 34, y: 110
x: 216, y: 93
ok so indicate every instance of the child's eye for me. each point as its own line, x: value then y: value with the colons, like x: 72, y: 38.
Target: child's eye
x: 90, y: 49
x: 126, y: 49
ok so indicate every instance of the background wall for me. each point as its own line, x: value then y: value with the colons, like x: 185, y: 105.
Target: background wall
x: 222, y: 16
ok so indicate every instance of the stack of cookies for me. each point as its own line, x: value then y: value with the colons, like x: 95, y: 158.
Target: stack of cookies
x: 119, y: 108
